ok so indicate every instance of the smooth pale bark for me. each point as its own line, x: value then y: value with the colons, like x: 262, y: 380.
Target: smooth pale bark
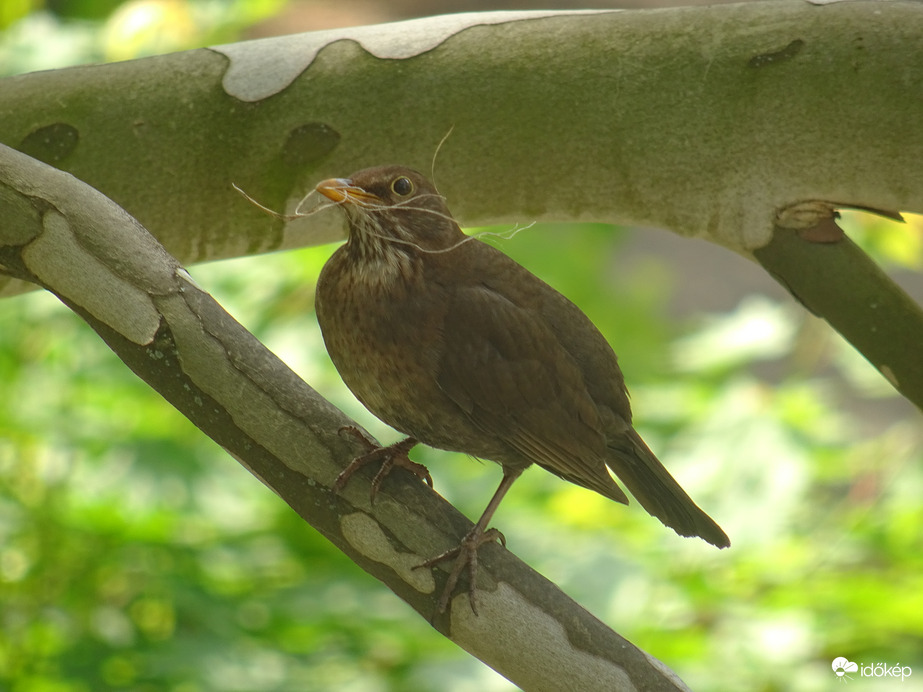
x: 707, y: 121
x: 702, y: 120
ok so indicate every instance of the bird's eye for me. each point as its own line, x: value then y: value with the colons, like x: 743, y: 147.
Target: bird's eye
x: 402, y: 186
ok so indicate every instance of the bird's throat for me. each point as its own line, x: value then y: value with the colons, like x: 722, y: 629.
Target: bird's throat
x: 374, y: 257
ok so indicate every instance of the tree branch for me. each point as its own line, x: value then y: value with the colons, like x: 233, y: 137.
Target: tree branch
x: 836, y: 280
x: 703, y: 120
x: 60, y: 233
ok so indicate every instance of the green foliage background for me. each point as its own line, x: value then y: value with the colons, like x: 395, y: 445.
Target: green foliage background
x: 136, y: 555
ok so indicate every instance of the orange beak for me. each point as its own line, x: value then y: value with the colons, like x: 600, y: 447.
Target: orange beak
x: 342, y: 190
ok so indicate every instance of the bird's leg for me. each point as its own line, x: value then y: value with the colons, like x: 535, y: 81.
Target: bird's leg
x: 466, y: 553
x: 390, y: 456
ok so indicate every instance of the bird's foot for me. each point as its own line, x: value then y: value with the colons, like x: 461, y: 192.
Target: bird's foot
x: 392, y: 456
x: 465, y: 554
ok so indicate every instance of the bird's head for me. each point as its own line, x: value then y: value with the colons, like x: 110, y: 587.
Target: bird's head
x: 393, y: 208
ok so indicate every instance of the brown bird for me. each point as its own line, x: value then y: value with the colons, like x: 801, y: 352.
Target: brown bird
x: 451, y: 342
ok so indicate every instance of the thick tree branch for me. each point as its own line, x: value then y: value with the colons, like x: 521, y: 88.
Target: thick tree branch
x: 703, y: 120
x: 62, y: 234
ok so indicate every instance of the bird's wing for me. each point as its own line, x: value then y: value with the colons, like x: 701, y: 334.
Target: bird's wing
x: 506, y: 370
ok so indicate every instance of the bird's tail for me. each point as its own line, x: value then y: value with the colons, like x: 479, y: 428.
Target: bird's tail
x: 652, y: 485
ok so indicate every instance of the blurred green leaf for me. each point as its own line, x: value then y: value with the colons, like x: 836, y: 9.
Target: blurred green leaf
x: 14, y: 10
x: 890, y: 243
x: 88, y: 31
x: 758, y: 329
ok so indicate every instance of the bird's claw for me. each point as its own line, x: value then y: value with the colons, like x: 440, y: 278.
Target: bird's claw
x: 465, y: 554
x: 390, y: 457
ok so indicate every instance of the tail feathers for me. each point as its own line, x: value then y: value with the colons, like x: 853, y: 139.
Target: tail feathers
x: 652, y: 485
